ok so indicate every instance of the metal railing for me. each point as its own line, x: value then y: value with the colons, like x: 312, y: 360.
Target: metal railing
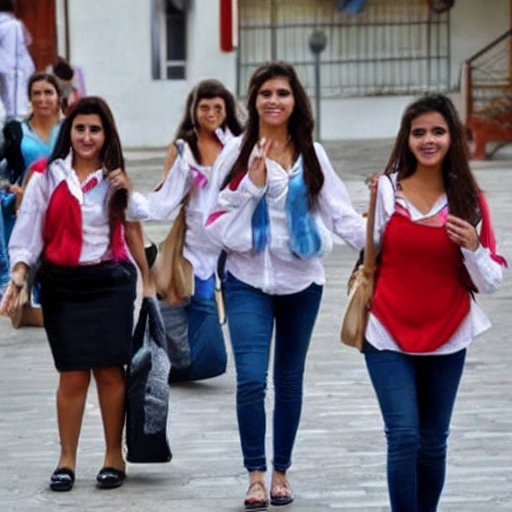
x: 488, y: 77
x: 392, y: 47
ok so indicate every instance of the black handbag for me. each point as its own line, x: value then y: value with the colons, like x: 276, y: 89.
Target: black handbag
x: 147, y: 394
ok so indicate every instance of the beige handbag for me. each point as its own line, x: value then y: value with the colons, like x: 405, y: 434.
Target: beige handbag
x: 16, y: 304
x: 360, y: 288
x: 172, y: 272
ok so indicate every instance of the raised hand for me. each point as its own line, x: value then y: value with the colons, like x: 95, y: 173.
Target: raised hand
x: 119, y: 179
x: 257, y: 169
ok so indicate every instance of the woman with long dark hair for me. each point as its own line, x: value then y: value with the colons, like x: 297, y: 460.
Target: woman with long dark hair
x: 72, y: 219
x: 274, y: 216
x: 432, y: 259
x: 194, y: 334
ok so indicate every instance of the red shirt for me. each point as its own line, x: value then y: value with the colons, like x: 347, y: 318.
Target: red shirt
x: 419, y: 294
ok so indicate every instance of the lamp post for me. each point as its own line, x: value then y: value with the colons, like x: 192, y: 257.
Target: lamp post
x: 317, y: 44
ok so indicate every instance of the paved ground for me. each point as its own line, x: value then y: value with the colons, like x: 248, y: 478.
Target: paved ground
x: 339, y: 459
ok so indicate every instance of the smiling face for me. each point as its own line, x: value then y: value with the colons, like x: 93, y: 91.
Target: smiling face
x: 210, y: 113
x: 44, y: 98
x: 275, y: 102
x: 87, y: 138
x: 429, y: 139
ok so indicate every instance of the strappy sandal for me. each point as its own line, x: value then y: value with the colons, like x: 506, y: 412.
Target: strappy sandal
x: 254, y: 505
x: 281, y: 495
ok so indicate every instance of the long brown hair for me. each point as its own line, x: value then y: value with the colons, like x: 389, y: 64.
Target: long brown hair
x: 300, y: 126
x: 459, y: 182
x: 111, y: 154
x: 206, y: 89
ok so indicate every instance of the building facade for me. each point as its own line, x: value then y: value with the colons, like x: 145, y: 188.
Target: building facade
x: 143, y: 56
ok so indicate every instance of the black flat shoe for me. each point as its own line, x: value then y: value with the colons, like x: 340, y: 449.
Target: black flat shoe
x: 62, y: 480
x: 110, y: 478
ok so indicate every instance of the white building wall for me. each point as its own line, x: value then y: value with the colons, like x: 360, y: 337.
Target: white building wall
x: 113, y: 45
x: 473, y: 25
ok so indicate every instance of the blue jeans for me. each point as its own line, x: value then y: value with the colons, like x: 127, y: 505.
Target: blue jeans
x: 416, y: 395
x: 251, y: 317
x: 6, y: 221
x: 194, y: 335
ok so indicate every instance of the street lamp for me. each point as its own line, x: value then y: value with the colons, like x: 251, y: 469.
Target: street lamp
x: 317, y: 44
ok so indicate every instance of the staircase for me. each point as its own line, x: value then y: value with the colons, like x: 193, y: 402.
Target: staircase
x: 488, y: 78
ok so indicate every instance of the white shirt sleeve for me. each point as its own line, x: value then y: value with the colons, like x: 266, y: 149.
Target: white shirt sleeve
x: 161, y: 204
x: 26, y: 242
x: 335, y: 206
x: 229, y: 223
x: 485, y: 273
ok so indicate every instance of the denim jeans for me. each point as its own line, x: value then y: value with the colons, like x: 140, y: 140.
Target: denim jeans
x: 416, y: 395
x: 5, y: 229
x: 194, y: 335
x: 251, y: 317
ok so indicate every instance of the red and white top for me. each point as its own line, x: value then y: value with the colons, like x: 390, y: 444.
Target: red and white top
x: 66, y: 219
x: 420, y: 304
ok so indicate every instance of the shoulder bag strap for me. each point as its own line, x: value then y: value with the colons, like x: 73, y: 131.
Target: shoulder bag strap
x: 370, y: 257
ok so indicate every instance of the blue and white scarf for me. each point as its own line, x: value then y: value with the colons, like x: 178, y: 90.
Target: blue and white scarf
x: 305, y: 239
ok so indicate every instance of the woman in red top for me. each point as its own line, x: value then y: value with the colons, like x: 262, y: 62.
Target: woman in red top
x: 72, y: 218
x: 423, y: 316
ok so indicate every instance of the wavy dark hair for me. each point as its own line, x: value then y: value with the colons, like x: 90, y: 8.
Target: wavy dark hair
x: 47, y: 77
x: 206, y: 89
x: 300, y: 126
x: 459, y: 182
x: 111, y: 154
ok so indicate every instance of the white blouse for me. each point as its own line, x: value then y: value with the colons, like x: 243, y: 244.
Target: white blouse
x: 26, y: 243
x: 162, y: 204
x: 276, y: 270
x: 485, y: 273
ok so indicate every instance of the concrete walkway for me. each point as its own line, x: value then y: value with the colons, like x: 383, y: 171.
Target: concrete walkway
x: 339, y: 460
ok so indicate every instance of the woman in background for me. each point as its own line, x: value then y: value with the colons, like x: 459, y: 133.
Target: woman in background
x: 195, y: 338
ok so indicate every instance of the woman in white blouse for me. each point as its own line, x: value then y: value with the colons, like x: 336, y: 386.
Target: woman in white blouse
x: 423, y: 317
x: 72, y: 217
x: 194, y: 334
x: 274, y: 216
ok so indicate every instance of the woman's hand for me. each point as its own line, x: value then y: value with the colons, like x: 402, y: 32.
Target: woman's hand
x: 119, y: 179
x: 13, y: 290
x: 257, y: 169
x: 19, y: 274
x: 462, y: 233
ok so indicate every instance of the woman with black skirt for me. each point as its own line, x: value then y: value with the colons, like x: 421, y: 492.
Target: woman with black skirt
x: 72, y: 220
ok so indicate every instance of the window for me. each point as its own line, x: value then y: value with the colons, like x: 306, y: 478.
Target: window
x: 169, y: 37
x: 391, y: 47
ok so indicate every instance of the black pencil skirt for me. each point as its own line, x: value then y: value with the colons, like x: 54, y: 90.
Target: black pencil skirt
x: 88, y: 313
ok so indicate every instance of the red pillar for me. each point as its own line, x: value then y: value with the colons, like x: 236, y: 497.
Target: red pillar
x: 226, y: 25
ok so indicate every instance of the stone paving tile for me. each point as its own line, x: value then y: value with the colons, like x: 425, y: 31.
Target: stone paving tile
x: 339, y: 460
